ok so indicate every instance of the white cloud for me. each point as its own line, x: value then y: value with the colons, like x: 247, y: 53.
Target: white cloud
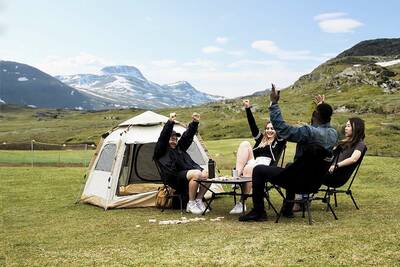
x: 211, y: 49
x: 237, y: 53
x: 269, y: 47
x: 221, y: 40
x: 253, y: 76
x: 326, y: 16
x: 265, y: 46
x: 164, y: 63
x: 336, y: 22
x: 247, y: 62
x: 201, y: 63
x: 82, y: 63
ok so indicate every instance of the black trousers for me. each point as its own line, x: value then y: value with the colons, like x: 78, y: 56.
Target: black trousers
x: 290, y: 180
x: 261, y: 175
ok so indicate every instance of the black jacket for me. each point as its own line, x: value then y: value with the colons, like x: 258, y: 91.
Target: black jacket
x: 171, y: 161
x: 273, y: 150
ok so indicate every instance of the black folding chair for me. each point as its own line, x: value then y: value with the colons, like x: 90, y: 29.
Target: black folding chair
x: 345, y: 174
x: 171, y: 194
x: 306, y: 175
x: 268, y: 187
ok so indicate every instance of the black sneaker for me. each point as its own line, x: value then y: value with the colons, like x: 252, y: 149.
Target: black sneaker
x: 254, y: 215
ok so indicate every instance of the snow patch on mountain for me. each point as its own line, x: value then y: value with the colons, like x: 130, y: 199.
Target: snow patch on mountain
x: 22, y: 79
x: 123, y: 70
x: 388, y: 63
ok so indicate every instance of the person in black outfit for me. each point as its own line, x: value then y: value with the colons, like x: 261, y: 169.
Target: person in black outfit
x: 267, y: 147
x: 314, y: 143
x: 348, y: 152
x: 176, y: 165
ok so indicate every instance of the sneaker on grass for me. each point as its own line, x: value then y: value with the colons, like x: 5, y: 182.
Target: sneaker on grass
x: 238, y: 208
x: 201, y: 205
x: 192, y: 207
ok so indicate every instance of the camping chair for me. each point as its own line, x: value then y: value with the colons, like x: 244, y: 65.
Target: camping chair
x: 171, y: 194
x: 310, y: 167
x: 269, y: 186
x: 347, y: 173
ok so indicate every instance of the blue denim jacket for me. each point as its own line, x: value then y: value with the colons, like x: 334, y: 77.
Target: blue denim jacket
x: 323, y: 135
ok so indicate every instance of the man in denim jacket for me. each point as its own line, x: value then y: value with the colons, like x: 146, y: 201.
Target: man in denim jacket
x: 318, y: 133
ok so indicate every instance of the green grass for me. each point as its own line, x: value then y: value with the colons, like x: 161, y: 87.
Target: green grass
x: 42, y: 227
x: 47, y: 157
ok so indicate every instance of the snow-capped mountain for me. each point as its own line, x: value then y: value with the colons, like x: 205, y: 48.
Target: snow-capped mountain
x: 125, y: 86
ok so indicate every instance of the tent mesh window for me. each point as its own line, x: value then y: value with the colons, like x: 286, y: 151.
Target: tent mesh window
x: 195, y: 154
x: 137, y: 168
x: 106, y: 158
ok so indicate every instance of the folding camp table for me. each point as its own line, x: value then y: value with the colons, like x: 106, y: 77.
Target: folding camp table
x: 237, y: 182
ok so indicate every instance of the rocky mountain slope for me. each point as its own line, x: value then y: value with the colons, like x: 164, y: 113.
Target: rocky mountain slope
x: 25, y: 85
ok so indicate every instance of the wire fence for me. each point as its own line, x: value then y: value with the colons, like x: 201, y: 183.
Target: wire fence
x: 46, y: 154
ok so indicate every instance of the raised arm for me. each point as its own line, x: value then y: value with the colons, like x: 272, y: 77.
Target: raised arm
x: 284, y: 130
x: 163, y: 141
x: 187, y: 137
x: 255, y: 132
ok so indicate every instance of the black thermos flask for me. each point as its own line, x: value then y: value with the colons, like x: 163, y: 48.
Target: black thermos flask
x: 211, y: 168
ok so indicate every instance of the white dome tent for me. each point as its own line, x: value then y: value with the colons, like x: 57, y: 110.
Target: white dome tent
x: 122, y: 173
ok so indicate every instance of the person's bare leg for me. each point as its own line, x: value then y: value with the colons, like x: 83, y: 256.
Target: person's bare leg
x: 244, y: 154
x: 247, y: 172
x: 192, y: 175
x: 202, y: 189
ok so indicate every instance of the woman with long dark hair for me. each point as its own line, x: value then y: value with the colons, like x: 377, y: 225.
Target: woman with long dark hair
x: 348, y: 152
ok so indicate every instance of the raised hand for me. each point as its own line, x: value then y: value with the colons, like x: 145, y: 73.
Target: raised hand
x: 196, y: 116
x: 274, y: 95
x: 319, y: 99
x: 172, y: 116
x: 246, y: 103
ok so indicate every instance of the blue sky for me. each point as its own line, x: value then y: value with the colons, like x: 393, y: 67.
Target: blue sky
x: 228, y: 48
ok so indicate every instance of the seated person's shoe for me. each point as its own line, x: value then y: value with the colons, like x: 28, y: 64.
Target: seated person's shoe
x: 201, y: 205
x: 254, y: 215
x: 192, y: 207
x: 238, y: 208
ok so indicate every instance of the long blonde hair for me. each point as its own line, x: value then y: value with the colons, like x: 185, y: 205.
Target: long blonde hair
x: 266, y: 141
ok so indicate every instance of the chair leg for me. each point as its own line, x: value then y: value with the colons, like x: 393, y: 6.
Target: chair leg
x: 280, y: 213
x: 327, y: 199
x: 331, y: 209
x: 334, y: 194
x: 308, y: 203
x: 271, y: 206
x: 267, y: 197
x: 354, y: 201
x: 180, y: 202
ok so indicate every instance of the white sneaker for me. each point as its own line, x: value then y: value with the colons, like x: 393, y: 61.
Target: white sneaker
x: 192, y: 207
x: 201, y: 205
x: 238, y: 208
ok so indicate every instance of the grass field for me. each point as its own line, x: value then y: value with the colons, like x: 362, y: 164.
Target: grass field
x: 42, y: 226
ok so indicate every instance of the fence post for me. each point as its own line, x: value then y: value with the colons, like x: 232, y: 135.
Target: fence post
x: 85, y: 155
x: 33, y: 153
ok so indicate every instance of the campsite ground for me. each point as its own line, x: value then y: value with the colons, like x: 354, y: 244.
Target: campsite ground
x: 42, y: 226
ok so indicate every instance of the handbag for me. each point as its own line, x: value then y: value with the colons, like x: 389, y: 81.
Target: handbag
x: 163, y: 197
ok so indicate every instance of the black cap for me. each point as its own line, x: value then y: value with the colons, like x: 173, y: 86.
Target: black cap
x: 176, y: 134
